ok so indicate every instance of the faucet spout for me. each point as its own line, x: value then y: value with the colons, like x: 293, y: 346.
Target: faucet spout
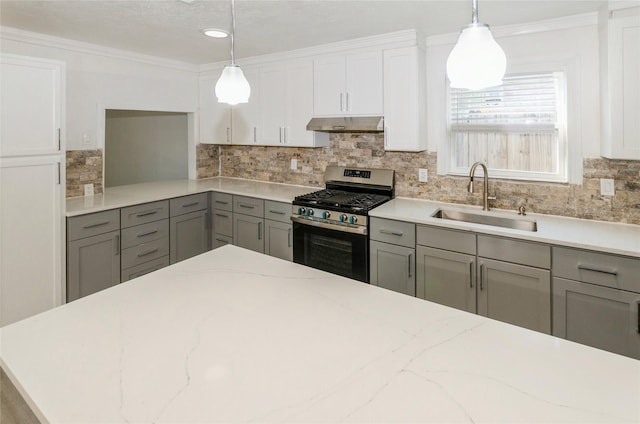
x: 485, y: 186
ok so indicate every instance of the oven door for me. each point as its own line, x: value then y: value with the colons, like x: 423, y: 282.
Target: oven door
x: 335, y: 251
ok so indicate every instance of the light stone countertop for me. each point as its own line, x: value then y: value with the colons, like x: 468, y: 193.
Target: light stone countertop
x: 122, y: 196
x: 622, y: 239
x: 236, y: 336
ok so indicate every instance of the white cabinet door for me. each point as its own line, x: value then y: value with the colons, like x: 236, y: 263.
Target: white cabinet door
x: 273, y: 104
x: 215, y: 117
x: 245, y: 117
x: 329, y: 82
x: 30, y: 106
x: 364, y: 84
x: 403, y: 111
x: 299, y: 104
x: 30, y: 236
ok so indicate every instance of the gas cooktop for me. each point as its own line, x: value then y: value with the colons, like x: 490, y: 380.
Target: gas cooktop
x: 342, y: 200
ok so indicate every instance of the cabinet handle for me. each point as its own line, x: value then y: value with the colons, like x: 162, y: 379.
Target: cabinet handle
x: 277, y: 212
x: 259, y: 230
x: 147, y: 213
x: 409, y: 257
x: 98, y: 224
x: 385, y: 136
x: 222, y: 215
x: 255, y: 137
x: 188, y: 205
x: 247, y: 206
x: 148, y: 252
x: 597, y: 269
x: 59, y: 174
x: 222, y: 241
x: 481, y: 277
x: 289, y: 245
x: 638, y: 309
x: 221, y: 202
x: 117, y: 242
x: 341, y: 103
x: 59, y: 140
x: 285, y: 132
x: 393, y: 233
x: 148, y: 233
x: 348, y: 108
x: 228, y: 135
x: 280, y: 128
x: 471, y: 274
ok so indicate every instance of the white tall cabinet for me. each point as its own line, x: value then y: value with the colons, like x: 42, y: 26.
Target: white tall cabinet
x: 31, y: 186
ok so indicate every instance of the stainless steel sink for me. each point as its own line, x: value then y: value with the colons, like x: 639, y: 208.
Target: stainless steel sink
x: 496, y: 221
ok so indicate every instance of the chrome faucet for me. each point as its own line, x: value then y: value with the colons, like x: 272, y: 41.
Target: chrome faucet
x: 485, y: 187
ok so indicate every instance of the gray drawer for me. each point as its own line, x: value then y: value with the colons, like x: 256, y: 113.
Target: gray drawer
x: 145, y: 233
x: 220, y: 240
x: 142, y: 253
x: 188, y: 204
x: 223, y: 223
x: 455, y: 241
x: 603, y: 269
x: 248, y: 206
x: 277, y: 211
x: 146, y: 212
x: 79, y: 227
x: 394, y: 232
x: 222, y: 201
x: 515, y: 251
x: 145, y: 268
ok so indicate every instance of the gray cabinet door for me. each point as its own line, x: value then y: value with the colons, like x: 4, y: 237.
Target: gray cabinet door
x: 278, y: 239
x: 597, y: 316
x: 248, y: 232
x: 446, y: 277
x: 517, y: 294
x: 392, y: 267
x: 93, y: 264
x: 188, y: 236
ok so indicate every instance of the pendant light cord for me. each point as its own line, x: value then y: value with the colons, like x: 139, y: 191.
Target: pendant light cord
x: 474, y: 12
x: 233, y: 30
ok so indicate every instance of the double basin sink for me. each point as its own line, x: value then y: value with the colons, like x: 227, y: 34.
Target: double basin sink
x: 486, y: 219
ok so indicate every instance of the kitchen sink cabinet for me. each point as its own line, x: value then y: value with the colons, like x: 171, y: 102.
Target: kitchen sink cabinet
x: 278, y: 238
x: 596, y: 300
x: 392, y: 255
x: 404, y: 100
x: 188, y: 226
x: 348, y: 85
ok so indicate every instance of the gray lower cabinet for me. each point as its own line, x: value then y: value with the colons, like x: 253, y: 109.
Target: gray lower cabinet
x: 278, y: 230
x: 188, y: 227
x: 93, y: 253
x: 446, y: 277
x: 144, y: 268
x: 596, y: 300
x: 392, y: 255
x: 248, y: 232
x: 221, y: 219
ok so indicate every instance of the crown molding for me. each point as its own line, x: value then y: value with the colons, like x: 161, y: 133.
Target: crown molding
x: 28, y: 37
x: 575, y: 21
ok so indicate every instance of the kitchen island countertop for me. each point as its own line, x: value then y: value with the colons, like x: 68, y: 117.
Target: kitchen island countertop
x: 236, y: 336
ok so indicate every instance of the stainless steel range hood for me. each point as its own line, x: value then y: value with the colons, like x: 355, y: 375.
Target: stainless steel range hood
x: 347, y: 124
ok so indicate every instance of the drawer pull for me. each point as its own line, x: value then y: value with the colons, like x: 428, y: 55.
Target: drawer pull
x: 481, y: 277
x: 97, y: 224
x: 222, y: 241
x: 597, y: 269
x: 638, y: 309
x: 471, y: 274
x: 409, y: 260
x: 222, y: 216
x: 277, y: 212
x: 117, y: 243
x: 393, y: 233
x: 222, y: 202
x: 148, y: 252
x: 259, y: 230
x: 188, y: 205
x: 247, y: 206
x: 148, y: 233
x: 147, y: 213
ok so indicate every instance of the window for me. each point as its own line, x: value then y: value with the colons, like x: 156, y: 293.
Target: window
x: 519, y: 128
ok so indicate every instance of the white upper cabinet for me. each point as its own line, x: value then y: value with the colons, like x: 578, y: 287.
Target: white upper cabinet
x: 348, y: 85
x: 30, y: 106
x: 620, y: 88
x: 215, y: 117
x: 245, y: 117
x: 404, y: 101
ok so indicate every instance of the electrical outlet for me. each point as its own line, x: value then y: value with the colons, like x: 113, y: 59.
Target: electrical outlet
x: 294, y: 164
x: 607, y: 187
x: 88, y: 189
x: 423, y: 175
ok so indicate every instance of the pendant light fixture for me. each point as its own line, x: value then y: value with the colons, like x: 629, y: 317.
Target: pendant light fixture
x: 476, y: 61
x: 232, y: 87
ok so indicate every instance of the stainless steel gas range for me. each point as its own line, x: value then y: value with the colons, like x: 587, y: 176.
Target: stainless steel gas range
x: 331, y: 226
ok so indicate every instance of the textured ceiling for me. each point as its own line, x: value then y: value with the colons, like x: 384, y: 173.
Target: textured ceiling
x: 172, y: 28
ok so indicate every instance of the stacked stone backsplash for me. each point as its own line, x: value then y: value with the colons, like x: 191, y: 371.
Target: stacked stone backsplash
x: 367, y: 150
x: 207, y: 160
x: 83, y: 167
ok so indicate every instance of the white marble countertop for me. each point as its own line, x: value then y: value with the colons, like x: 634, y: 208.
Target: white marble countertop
x: 212, y: 339
x: 623, y: 239
x: 122, y: 196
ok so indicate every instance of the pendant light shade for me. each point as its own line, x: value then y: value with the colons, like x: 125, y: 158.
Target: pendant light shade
x: 476, y: 61
x: 232, y: 86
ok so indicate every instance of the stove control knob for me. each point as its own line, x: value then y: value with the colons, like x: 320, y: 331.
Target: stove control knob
x: 309, y: 212
x: 353, y: 219
x: 326, y: 215
x: 343, y: 218
x: 301, y: 211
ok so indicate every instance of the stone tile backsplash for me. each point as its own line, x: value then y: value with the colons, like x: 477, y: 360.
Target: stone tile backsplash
x: 367, y: 150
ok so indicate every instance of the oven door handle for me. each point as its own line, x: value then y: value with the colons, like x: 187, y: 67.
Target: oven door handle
x: 362, y: 230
